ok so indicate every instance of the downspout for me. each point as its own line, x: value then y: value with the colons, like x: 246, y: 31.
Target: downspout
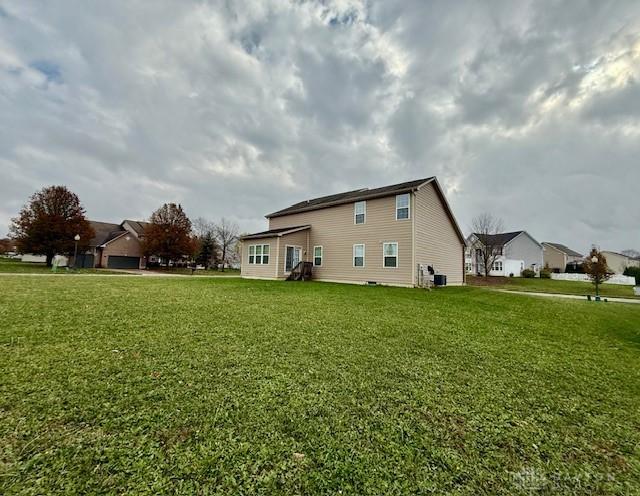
x: 413, y: 240
x: 277, y: 255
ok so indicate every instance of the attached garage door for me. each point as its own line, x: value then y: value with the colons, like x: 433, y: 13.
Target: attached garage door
x: 117, y: 262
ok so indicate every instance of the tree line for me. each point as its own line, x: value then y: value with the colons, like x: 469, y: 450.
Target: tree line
x: 52, y: 218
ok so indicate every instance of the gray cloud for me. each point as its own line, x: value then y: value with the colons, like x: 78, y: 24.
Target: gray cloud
x: 529, y: 110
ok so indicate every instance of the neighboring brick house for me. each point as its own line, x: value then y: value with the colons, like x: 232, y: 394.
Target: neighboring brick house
x: 388, y: 235
x: 115, y: 246
x: 557, y: 256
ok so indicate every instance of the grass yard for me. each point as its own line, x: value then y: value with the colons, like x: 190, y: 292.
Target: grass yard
x: 15, y: 266
x: 222, y: 385
x: 201, y: 272
x: 552, y: 286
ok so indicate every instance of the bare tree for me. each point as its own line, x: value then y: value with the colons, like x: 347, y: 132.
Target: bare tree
x: 485, y: 227
x: 206, y: 244
x: 227, y: 236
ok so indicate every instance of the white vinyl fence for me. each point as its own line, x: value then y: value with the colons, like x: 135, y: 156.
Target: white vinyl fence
x: 615, y: 279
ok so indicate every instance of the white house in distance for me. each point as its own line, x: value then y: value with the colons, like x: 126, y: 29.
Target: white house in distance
x: 518, y: 251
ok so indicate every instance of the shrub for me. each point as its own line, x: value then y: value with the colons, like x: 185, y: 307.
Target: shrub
x: 528, y: 273
x: 545, y: 274
x: 633, y: 272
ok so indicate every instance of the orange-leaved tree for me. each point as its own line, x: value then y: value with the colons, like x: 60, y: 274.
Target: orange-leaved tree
x: 169, y: 234
x: 48, y: 223
x: 595, y: 266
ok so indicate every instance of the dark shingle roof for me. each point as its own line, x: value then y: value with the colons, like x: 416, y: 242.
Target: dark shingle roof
x: 138, y: 226
x: 499, y: 239
x: 104, y: 232
x: 350, y: 196
x: 564, y: 249
x: 275, y: 232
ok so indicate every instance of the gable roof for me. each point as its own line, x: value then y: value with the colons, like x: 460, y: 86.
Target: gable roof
x: 272, y: 233
x: 499, y: 239
x: 137, y: 225
x: 351, y: 196
x: 104, y: 232
x: 564, y: 249
x: 619, y: 254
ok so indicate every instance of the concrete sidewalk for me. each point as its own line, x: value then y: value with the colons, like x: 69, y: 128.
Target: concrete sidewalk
x: 571, y: 297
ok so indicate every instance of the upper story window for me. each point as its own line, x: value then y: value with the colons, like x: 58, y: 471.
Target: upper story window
x: 402, y: 206
x: 360, y: 212
x: 358, y: 255
x: 259, y: 254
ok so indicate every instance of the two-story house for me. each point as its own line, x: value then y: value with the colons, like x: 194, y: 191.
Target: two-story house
x: 515, y: 251
x: 392, y: 235
x: 557, y: 256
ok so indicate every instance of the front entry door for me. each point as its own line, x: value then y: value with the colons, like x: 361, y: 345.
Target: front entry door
x: 292, y: 257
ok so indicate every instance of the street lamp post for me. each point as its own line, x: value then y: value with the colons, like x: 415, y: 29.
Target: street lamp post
x: 594, y: 260
x: 75, y: 252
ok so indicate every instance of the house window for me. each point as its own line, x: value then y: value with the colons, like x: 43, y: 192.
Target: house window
x: 259, y: 254
x: 497, y: 265
x: 402, y: 206
x: 317, y: 256
x: 390, y: 254
x: 360, y: 212
x: 467, y: 267
x: 358, y: 255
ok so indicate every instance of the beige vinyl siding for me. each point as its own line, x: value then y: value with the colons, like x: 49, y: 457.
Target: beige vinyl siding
x: 334, y: 229
x: 262, y: 270
x: 553, y: 258
x: 301, y: 239
x: 437, y: 242
x: 618, y: 262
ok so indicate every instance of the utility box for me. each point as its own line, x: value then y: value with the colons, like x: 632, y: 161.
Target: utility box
x: 440, y: 280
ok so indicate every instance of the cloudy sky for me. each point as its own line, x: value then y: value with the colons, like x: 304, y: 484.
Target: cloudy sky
x: 529, y: 110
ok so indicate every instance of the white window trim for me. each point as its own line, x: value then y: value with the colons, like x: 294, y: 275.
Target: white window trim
x: 397, y: 257
x: 364, y: 257
x: 321, y: 257
x: 285, y: 257
x: 408, y: 207
x: 364, y: 202
x: 262, y: 254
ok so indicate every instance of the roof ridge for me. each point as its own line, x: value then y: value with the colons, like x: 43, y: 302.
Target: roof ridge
x: 350, y: 196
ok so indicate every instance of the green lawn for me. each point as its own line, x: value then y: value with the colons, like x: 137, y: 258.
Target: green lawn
x: 552, y: 286
x: 16, y: 266
x: 201, y: 272
x: 221, y: 385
